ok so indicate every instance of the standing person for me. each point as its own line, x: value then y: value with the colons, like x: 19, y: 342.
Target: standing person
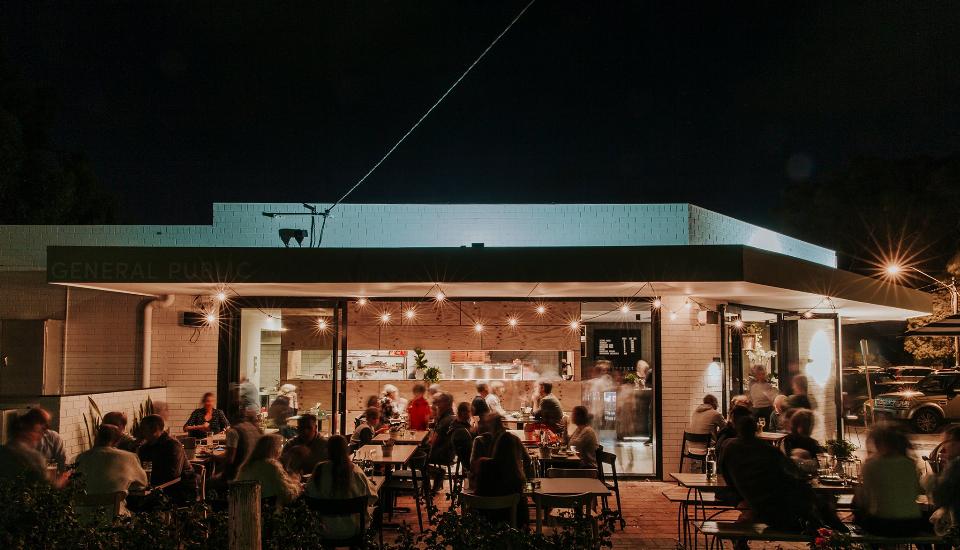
x: 302, y: 453
x: 20, y: 457
x: 600, y: 383
x: 549, y: 411
x: 584, y: 438
x: 495, y: 397
x: 118, y: 419
x: 367, y: 429
x: 106, y: 469
x: 503, y: 474
x: 263, y: 466
x: 706, y: 419
x: 441, y: 445
x: 799, y: 399
x: 241, y: 437
x: 167, y: 457
x: 339, y: 477
x: 479, y: 405
x: 206, y: 420
x: 761, y: 393
x: 886, y: 503
x: 51, y: 444
x: 249, y: 395
x: 418, y: 410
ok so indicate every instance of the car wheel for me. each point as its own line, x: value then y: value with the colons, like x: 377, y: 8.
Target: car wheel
x: 926, y: 421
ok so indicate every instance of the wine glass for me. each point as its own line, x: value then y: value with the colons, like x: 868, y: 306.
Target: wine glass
x: 762, y: 423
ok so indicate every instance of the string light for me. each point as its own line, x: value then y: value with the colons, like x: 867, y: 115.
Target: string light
x: 657, y: 303
x: 673, y: 315
x: 385, y: 317
x: 541, y: 309
x: 211, y: 318
x: 738, y: 324
x: 361, y: 302
x: 687, y: 304
x: 807, y: 314
x: 574, y: 325
x: 513, y: 322
x: 322, y: 325
x: 221, y: 296
x: 625, y: 308
x: 440, y: 296
x: 410, y: 314
x: 478, y: 327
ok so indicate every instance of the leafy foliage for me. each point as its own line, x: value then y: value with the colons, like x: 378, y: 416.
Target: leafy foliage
x: 92, y: 423
x: 431, y: 375
x: 932, y: 349
x: 145, y: 409
x: 841, y: 449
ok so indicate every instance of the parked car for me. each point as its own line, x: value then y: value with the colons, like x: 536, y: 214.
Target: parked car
x: 909, y: 373
x: 855, y: 390
x: 926, y: 405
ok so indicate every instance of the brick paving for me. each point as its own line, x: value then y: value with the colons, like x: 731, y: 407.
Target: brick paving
x: 651, y: 518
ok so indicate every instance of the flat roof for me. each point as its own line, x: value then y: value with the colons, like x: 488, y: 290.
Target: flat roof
x: 730, y: 273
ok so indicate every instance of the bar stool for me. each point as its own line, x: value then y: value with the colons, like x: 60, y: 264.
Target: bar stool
x: 696, y: 454
x: 610, y: 459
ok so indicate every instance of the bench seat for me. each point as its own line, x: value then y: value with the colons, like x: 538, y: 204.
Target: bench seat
x: 761, y: 532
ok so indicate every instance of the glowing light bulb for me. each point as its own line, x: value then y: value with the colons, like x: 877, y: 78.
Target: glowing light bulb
x: 478, y: 327
x: 625, y: 308
x: 322, y: 324
x: 657, y: 303
x: 541, y: 309
x: 575, y: 325
x: 440, y: 296
x: 673, y: 315
x: 738, y: 324
x: 211, y: 318
x: 410, y: 313
x: 361, y: 302
x: 893, y: 269
x: 807, y: 314
x: 513, y: 321
x: 384, y: 317
x: 221, y: 296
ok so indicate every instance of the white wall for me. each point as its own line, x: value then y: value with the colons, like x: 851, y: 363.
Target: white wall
x: 252, y: 322
x: 817, y: 342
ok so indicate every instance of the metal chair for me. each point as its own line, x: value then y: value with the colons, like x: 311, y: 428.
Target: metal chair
x: 579, y: 504
x: 339, y: 507
x: 610, y: 459
x: 506, y: 502
x: 109, y: 503
x: 695, y: 454
x: 411, y: 482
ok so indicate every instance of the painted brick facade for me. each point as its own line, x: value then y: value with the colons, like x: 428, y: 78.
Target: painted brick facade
x: 101, y: 348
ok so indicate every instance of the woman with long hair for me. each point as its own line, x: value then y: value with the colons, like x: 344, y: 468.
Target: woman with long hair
x: 263, y: 465
x: 584, y: 438
x: 338, y: 477
x: 503, y: 474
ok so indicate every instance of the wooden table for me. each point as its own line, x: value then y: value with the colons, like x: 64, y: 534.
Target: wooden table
x: 374, y: 453
x: 523, y: 437
x: 571, y: 486
x: 773, y: 438
x: 406, y: 437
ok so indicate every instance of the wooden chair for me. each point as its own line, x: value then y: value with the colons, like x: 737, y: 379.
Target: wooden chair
x: 413, y: 482
x: 339, y: 507
x: 609, y: 459
x: 110, y: 503
x: 506, y: 502
x: 583, y: 473
x: 579, y: 505
x: 694, y: 454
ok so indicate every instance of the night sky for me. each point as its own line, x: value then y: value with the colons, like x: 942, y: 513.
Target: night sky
x: 720, y: 104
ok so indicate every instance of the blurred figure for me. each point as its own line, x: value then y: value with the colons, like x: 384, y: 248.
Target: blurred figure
x: 168, y: 458
x: 706, y: 419
x: 51, y: 444
x: 798, y: 444
x: 761, y: 393
x: 729, y: 430
x: 302, y: 453
x: 390, y: 407
x: 799, y: 399
x: 206, y: 420
x: 596, y: 387
x: 119, y: 420
x: 503, y: 474
x: 20, y: 457
x: 338, y: 477
x: 495, y: 397
x: 462, y: 432
x: 441, y: 444
x: 263, y: 466
x: 645, y: 372
x: 418, y: 411
x: 241, y: 437
x: 290, y: 392
x: 777, y: 422
x: 479, y: 406
x: 249, y: 395
x: 105, y: 469
x: 548, y: 410
x: 943, y: 485
x: 367, y: 429
x: 584, y: 438
x: 372, y: 401
x: 886, y: 503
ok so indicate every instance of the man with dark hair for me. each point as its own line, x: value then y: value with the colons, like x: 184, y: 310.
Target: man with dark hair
x: 461, y: 433
x: 548, y: 411
x: 706, y: 419
x: 770, y: 483
x: 20, y: 457
x: 106, y: 469
x: 479, y: 407
x: 167, y: 458
x: 302, y: 453
x: 119, y: 419
x: 367, y: 429
x: 441, y: 444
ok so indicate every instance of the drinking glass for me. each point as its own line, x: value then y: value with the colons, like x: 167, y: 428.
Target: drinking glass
x: 148, y: 467
x: 762, y: 423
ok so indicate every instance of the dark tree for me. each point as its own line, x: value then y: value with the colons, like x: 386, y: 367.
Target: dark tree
x: 39, y: 184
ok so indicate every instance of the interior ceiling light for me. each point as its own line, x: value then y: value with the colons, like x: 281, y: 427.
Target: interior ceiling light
x: 513, y: 321
x: 575, y: 325
x: 385, y: 317
x: 478, y: 327
x: 211, y: 318
x: 440, y: 296
x: 541, y: 309
x: 657, y: 303
x: 361, y: 302
x: 322, y: 324
x: 410, y: 313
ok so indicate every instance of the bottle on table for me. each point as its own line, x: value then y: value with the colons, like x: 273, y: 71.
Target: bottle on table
x: 710, y: 464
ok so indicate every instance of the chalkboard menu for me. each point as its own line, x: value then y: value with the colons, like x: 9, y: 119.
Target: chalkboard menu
x: 620, y: 347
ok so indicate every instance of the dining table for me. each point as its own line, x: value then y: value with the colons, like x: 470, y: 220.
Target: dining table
x: 404, y: 437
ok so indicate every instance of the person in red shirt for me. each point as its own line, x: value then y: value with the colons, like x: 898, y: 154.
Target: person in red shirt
x: 418, y: 411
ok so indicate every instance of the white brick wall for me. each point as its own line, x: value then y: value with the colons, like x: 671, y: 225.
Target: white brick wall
x: 422, y: 225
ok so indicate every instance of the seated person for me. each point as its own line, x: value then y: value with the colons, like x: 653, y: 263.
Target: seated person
x: 706, y: 419
x: 278, y: 413
x: 106, y: 469
x: 339, y: 477
x: 418, y: 410
x: 461, y: 433
x: 798, y: 444
x: 777, y: 422
x: 441, y: 444
x: 479, y: 405
x: 549, y: 411
x: 391, y: 404
x: 943, y: 485
x: 168, y: 460
x: 20, y: 457
x: 493, y: 398
x: 503, y: 474
x: 51, y: 444
x: 372, y: 401
x: 886, y: 503
x: 302, y: 453
x: 367, y: 430
x: 264, y: 466
x: 489, y: 430
x: 770, y: 483
x: 729, y: 431
x: 206, y: 420
x: 119, y: 419
x: 584, y: 438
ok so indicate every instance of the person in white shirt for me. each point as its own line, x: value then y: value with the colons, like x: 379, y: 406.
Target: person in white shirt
x: 493, y: 398
x: 762, y: 393
x: 105, y: 469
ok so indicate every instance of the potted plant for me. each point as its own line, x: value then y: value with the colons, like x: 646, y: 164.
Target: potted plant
x: 840, y: 449
x: 632, y: 378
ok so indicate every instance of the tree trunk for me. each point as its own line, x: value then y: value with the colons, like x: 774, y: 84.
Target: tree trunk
x: 244, y: 515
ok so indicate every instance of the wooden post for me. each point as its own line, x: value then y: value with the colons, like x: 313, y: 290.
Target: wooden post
x: 243, y: 522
